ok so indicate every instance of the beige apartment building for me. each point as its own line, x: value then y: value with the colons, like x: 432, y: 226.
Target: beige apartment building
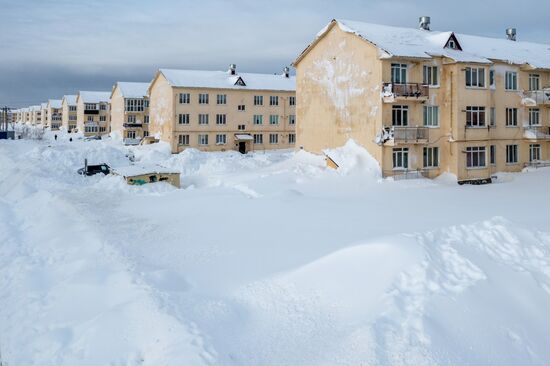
x: 54, y: 114
x: 130, y: 111
x: 223, y: 110
x: 93, y: 113
x: 68, y: 113
x: 43, y: 118
x: 36, y: 114
x: 426, y: 102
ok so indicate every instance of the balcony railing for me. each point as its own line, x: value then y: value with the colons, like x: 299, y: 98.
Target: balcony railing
x: 403, y: 135
x: 132, y: 125
x: 91, y: 111
x: 405, y: 174
x: 536, y: 97
x: 409, y: 90
x: 536, y: 132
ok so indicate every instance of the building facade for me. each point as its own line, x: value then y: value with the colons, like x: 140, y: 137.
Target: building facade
x: 43, y: 118
x: 68, y: 113
x: 425, y: 102
x: 218, y: 111
x: 130, y: 111
x: 54, y: 114
x: 93, y: 113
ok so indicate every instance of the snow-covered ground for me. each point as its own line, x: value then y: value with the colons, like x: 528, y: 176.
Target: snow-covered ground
x: 266, y: 259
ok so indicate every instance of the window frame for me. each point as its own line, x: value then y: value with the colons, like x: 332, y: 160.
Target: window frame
x: 430, y: 157
x: 479, y: 111
x: 479, y: 73
x: 400, y: 155
x: 511, y: 81
x: 511, y: 117
x: 512, y: 154
x: 478, y: 153
x: 430, y: 116
x: 401, y: 111
x: 429, y: 73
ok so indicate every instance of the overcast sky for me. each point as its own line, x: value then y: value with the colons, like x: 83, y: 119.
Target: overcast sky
x: 49, y: 48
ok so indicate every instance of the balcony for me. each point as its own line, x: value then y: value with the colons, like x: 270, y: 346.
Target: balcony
x: 91, y: 111
x: 131, y: 141
x: 409, y: 92
x: 536, y: 97
x: 396, y: 135
x: 132, y: 125
x: 536, y: 132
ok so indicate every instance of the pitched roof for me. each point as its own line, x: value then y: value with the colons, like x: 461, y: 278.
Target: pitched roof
x: 43, y: 105
x: 133, y: 90
x: 55, y: 103
x: 71, y: 99
x: 224, y: 80
x: 417, y: 43
x: 94, y: 96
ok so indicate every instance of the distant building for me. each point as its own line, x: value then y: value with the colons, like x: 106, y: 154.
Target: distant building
x: 54, y: 114
x: 93, y: 112
x: 68, y: 112
x: 130, y: 111
x: 223, y: 110
x: 426, y: 102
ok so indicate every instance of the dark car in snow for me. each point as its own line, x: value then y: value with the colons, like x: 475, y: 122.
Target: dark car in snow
x: 94, y: 169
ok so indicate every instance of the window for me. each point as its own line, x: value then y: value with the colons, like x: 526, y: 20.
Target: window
x: 203, y: 98
x: 103, y: 107
x: 401, y: 158
x: 102, y: 118
x: 203, y: 139
x: 400, y: 115
x: 72, y: 108
x: 431, y: 157
x: 221, y: 139
x: 475, y: 77
x: 273, y: 119
x: 145, y: 133
x: 493, y: 117
x: 131, y: 119
x: 241, y: 127
x: 511, y: 117
x: 493, y: 154
x: 90, y: 106
x: 291, y: 138
x: 292, y: 100
x: 203, y: 119
x: 258, y: 119
x: 102, y: 129
x: 241, y: 107
x: 511, y: 154
x: 475, y: 116
x: 72, y: 118
x: 452, y: 44
x: 431, y: 76
x: 183, y: 119
x: 273, y: 100
x: 492, y: 78
x: 133, y: 105
x: 183, y: 140
x: 534, y: 82
x: 273, y: 138
x: 534, y: 152
x: 534, y: 116
x: 475, y: 157
x: 221, y: 119
x: 292, y: 119
x: 221, y: 99
x: 258, y: 100
x: 185, y: 98
x: 131, y: 134
x: 431, y: 116
x: 399, y: 73
x: 511, y: 80
x: 258, y: 138
x: 146, y: 119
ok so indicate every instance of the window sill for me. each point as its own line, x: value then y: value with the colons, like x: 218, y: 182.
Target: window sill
x: 476, y: 168
x: 431, y: 168
x: 511, y: 126
x: 476, y: 88
x: 432, y: 126
x: 434, y: 86
x: 476, y: 127
x: 512, y: 164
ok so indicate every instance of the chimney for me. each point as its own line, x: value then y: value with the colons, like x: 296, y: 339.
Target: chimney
x: 424, y: 23
x: 232, y: 69
x: 511, y: 34
x: 286, y: 72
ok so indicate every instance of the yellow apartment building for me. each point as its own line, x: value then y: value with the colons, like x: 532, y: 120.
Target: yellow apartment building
x: 53, y: 114
x: 93, y: 113
x: 223, y: 110
x: 68, y: 113
x: 36, y: 114
x: 130, y: 111
x: 425, y: 102
x: 43, y: 118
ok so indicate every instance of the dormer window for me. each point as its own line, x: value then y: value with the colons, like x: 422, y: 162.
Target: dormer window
x: 240, y: 82
x: 452, y: 43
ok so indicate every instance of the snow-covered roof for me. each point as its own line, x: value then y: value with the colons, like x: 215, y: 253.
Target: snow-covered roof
x: 224, y: 80
x: 141, y: 169
x: 43, y: 105
x: 244, y: 137
x: 133, y: 90
x: 94, y: 96
x: 71, y: 99
x: 417, y: 43
x: 55, y: 103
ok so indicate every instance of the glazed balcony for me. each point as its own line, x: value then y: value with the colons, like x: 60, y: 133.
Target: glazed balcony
x: 535, y: 98
x: 405, y: 92
x: 536, y: 132
x: 396, y: 135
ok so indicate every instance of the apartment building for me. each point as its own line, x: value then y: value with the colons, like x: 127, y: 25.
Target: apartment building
x: 43, y: 117
x: 424, y: 101
x: 68, y: 112
x: 53, y: 114
x: 223, y: 110
x: 36, y: 114
x: 93, y: 113
x: 130, y: 111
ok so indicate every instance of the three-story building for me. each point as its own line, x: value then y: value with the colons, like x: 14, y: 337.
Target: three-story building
x: 54, y: 114
x: 93, y: 113
x: 130, y: 111
x: 68, y: 112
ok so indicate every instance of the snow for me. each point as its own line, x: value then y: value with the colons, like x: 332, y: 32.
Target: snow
x: 71, y: 99
x: 417, y: 43
x: 55, y: 103
x: 266, y: 259
x: 133, y: 90
x: 224, y: 80
x: 140, y: 169
x: 95, y: 96
x: 244, y: 137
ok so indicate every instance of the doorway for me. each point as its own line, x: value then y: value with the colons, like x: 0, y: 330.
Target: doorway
x: 242, y: 147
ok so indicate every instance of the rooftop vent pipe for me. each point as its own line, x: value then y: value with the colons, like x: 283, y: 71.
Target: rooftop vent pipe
x: 511, y: 34
x: 286, y: 72
x: 232, y: 69
x: 424, y: 23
